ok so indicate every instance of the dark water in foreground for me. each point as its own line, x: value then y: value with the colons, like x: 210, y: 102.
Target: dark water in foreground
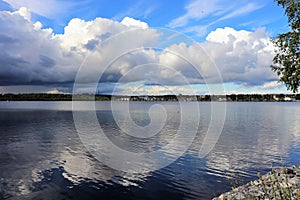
x: 42, y: 156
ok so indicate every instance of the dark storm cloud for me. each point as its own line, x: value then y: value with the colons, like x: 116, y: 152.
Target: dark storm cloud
x: 4, y: 39
x: 91, y: 44
x: 11, y: 69
x: 46, y: 61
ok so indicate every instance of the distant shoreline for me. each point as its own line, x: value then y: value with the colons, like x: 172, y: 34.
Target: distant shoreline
x: 103, y: 97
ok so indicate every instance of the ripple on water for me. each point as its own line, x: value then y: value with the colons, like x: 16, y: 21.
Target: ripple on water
x: 42, y: 156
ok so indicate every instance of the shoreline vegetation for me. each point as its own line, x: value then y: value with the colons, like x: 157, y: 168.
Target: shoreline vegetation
x: 102, y: 97
x: 281, y: 183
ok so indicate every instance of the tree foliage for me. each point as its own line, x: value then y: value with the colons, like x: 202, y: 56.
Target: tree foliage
x: 287, y: 59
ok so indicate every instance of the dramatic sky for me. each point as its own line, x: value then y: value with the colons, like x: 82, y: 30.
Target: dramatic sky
x: 139, y: 46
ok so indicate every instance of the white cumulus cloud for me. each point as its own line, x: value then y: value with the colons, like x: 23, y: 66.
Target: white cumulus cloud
x: 32, y: 55
x: 128, y: 21
x: 242, y: 56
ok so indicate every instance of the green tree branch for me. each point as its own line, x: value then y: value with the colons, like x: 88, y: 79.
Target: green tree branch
x: 287, y: 59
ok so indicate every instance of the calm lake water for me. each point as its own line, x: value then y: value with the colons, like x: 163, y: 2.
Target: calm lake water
x: 42, y: 156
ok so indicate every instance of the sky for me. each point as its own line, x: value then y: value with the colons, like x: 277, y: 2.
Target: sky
x: 139, y: 46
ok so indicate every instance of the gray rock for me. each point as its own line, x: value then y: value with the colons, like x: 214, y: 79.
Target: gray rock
x: 284, y: 181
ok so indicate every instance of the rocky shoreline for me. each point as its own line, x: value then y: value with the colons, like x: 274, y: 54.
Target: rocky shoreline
x: 282, y: 183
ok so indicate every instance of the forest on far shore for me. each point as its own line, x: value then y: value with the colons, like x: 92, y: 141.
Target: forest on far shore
x: 102, y: 97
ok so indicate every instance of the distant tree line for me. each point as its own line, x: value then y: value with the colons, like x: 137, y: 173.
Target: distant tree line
x: 100, y: 97
x: 263, y: 97
x: 52, y: 97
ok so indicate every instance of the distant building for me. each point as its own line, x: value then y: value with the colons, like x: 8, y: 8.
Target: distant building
x: 275, y: 98
x: 124, y: 99
x: 287, y: 99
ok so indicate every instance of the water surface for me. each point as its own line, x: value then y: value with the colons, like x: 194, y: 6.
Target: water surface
x: 42, y: 156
